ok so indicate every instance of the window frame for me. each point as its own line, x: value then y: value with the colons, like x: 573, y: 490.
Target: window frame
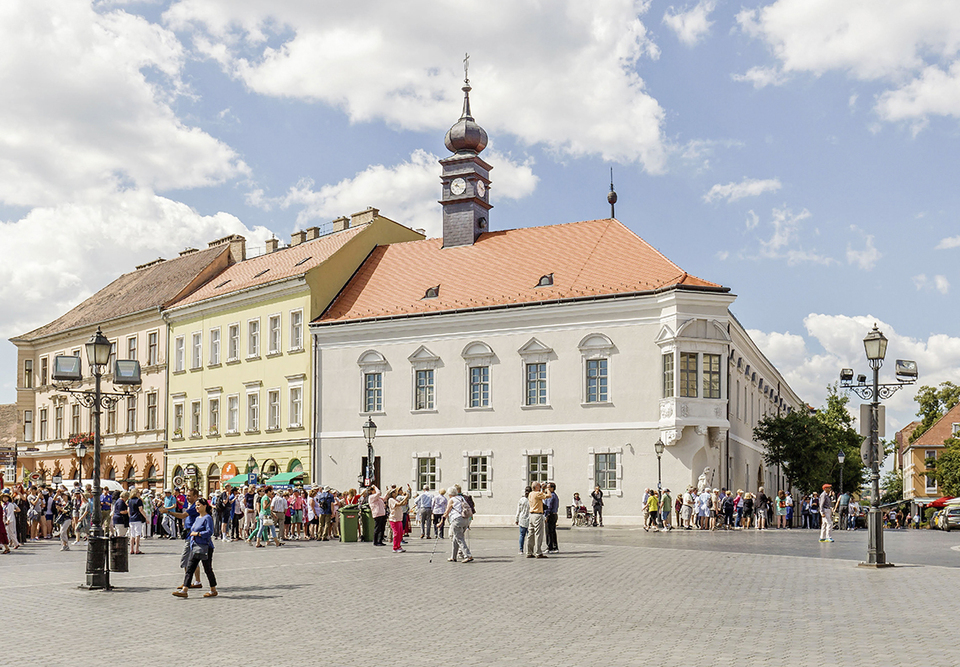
x: 273, y: 409
x: 274, y: 335
x: 597, y: 389
x: 28, y: 373
x: 616, y: 470
x: 296, y: 330
x: 253, y: 411
x: 478, y: 390
x: 213, y: 414
x: 233, y: 414
x: 669, y: 381
x: 179, y: 419
x: 215, y: 351
x: 76, y: 420
x: 425, y: 390
x: 132, y: 347
x: 709, y: 376
x: 429, y: 477
x: 538, y: 385
x: 44, y: 370
x: 152, y: 411
x: 43, y: 421
x: 153, y: 348
x: 372, y: 396
x: 130, y: 415
x: 179, y: 354
x: 196, y: 350
x: 253, y: 338
x: 295, y: 406
x: 233, y: 342
x: 685, y: 373
x: 196, y: 419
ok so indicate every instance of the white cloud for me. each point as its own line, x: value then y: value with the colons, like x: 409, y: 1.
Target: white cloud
x: 949, y: 242
x: 692, y: 24
x: 785, y: 241
x: 867, y: 258
x: 87, y: 101
x: 938, y: 282
x: 809, y: 370
x: 403, y: 55
x: 752, y: 220
x: 411, y: 187
x: 723, y: 255
x: 748, y: 187
x: 761, y: 77
x: 942, y: 284
x: 911, y: 45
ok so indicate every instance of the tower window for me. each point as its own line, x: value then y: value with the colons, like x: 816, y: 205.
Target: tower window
x: 546, y: 281
x: 432, y: 292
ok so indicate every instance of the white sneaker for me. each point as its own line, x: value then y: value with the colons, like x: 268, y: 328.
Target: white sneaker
x: 64, y: 548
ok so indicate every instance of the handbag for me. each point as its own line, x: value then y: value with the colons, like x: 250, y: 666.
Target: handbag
x: 267, y: 521
x: 201, y: 550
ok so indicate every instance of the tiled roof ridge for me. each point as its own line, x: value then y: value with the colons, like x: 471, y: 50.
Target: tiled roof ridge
x: 920, y: 440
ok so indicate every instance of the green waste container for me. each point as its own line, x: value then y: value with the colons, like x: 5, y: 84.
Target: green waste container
x: 349, y: 518
x: 367, y: 517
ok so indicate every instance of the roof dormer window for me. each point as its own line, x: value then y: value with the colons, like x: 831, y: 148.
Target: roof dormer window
x: 222, y: 284
x: 432, y: 292
x: 546, y: 281
x: 303, y: 261
x: 261, y: 273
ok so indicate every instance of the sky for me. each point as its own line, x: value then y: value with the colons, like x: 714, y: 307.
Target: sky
x: 802, y: 152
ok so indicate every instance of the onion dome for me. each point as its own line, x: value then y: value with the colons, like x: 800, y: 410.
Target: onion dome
x: 466, y: 136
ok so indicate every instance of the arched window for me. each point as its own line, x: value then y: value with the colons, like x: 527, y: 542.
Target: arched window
x: 295, y: 466
x: 213, y: 478
x: 270, y: 469
x: 112, y: 474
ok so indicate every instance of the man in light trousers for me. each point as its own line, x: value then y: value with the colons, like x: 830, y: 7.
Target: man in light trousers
x: 537, y: 529
x: 425, y: 512
x: 826, y: 511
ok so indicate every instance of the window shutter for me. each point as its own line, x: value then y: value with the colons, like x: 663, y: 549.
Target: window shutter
x: 466, y: 467
x: 550, y: 472
x: 438, y: 474
x: 489, y: 473
x: 591, y: 475
x: 523, y: 469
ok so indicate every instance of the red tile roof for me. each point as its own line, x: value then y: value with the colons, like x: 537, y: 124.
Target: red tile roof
x: 271, y: 267
x: 596, y: 257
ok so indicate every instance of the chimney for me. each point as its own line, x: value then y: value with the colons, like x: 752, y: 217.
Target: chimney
x: 341, y: 223
x: 363, y: 217
x: 187, y: 251
x: 158, y: 260
x: 312, y: 233
x: 297, y: 238
x: 272, y: 245
x: 420, y: 231
x: 238, y: 246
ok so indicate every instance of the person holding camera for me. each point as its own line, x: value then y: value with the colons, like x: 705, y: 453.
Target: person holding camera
x: 199, y: 550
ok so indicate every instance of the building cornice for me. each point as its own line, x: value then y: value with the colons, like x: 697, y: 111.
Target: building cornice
x: 247, y: 297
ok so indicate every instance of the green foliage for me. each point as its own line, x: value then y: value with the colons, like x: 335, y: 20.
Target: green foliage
x: 946, y: 468
x: 934, y: 404
x: 891, y: 487
x: 805, y: 446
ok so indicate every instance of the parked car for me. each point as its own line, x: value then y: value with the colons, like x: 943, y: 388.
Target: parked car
x: 934, y: 521
x: 950, y: 518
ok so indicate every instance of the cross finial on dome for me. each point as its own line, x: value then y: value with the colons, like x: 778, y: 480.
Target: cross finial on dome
x: 466, y: 136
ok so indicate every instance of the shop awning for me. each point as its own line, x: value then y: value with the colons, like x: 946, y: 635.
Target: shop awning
x: 284, y: 479
x: 940, y: 502
x: 239, y: 480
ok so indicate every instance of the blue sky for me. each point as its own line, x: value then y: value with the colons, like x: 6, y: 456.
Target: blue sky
x: 802, y: 152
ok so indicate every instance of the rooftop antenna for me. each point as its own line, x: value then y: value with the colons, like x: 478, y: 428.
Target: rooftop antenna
x: 612, y: 196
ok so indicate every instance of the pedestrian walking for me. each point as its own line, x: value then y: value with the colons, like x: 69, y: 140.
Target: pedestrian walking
x: 439, y: 507
x: 523, y: 516
x: 535, y: 533
x: 137, y: 521
x: 121, y: 514
x: 686, y: 510
x: 747, y: 510
x: 666, y: 507
x: 597, y: 496
x: 459, y: 513
x: 761, y: 508
x: 826, y: 514
x: 199, y: 551
x: 325, y: 500
x: 424, y: 507
x: 650, y: 512
x: 189, y: 515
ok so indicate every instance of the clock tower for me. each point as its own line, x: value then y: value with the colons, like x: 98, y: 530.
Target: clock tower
x: 466, y: 180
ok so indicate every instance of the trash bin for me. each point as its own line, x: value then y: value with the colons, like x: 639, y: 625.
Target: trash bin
x: 366, y: 515
x: 569, y: 511
x: 349, y: 520
x: 119, y: 558
x: 96, y: 555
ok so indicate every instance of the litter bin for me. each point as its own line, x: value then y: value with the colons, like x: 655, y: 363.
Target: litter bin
x: 96, y: 555
x: 366, y: 515
x: 119, y: 558
x: 569, y: 511
x: 349, y: 520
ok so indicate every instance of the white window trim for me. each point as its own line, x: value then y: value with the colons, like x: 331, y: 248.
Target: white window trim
x: 199, y: 432
x: 372, y: 361
x: 423, y: 360
x: 215, y: 393
x: 270, y: 426
x: 299, y: 347
x: 524, y: 464
x: 196, y: 345
x: 239, y: 342
x: 212, y: 361
x: 295, y: 382
x: 256, y: 354
x: 146, y: 351
x: 415, y: 466
x: 594, y: 347
x: 272, y: 352
x: 534, y: 352
x: 179, y: 354
x: 227, y: 409
x: 476, y: 354
x: 591, y: 451
x: 467, y: 455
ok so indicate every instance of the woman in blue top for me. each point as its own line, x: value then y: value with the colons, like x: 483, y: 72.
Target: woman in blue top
x: 201, y: 550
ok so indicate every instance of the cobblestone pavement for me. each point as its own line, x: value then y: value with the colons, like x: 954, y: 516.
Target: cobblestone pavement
x: 612, y: 597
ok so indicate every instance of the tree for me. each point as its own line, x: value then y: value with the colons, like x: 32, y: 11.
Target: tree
x: 946, y: 468
x: 934, y: 404
x: 805, y: 446
x: 891, y: 487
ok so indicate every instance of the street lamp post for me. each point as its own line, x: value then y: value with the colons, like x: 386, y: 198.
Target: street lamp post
x: 875, y: 346
x: 658, y: 447
x: 369, y: 432
x: 841, y: 457
x: 67, y: 374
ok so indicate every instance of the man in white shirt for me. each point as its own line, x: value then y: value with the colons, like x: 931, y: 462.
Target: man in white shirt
x: 826, y: 512
x: 424, y: 505
x: 278, y: 507
x: 686, y: 511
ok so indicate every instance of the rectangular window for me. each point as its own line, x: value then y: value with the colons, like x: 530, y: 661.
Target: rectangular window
x: 214, y: 346
x: 132, y: 347
x: 931, y: 481
x: 113, y: 356
x: 668, y: 375
x: 44, y: 367
x: 153, y: 348
x: 737, y: 399
x: 427, y: 472
x: 233, y: 342
x: 273, y: 409
x: 196, y: 350
x: 296, y: 330
x: 74, y: 419
x: 151, y: 411
x: 296, y: 407
x: 253, y: 338
x: 112, y: 418
x: 213, y: 416
x: 233, y: 414
x: 178, y: 353
x: 424, y: 396
x: 43, y: 423
x: 537, y: 469
x: 956, y: 427
x: 178, y: 420
x: 58, y: 422
x: 28, y: 425
x: 195, y: 418
x: 273, y: 327
x: 253, y: 412
x: 688, y: 374
x: 596, y: 380
x: 536, y: 384
x: 605, y: 471
x: 372, y: 392
x: 479, y: 479
x: 131, y: 414
x: 28, y: 373
x: 479, y: 386
x: 711, y: 376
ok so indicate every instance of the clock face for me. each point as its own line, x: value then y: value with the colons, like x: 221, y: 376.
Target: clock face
x: 481, y: 188
x: 458, y: 186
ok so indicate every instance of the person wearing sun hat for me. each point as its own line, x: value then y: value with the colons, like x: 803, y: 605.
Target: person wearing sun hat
x: 4, y: 527
x: 826, y: 512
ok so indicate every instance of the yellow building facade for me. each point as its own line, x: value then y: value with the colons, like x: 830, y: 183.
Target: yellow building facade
x: 240, y: 399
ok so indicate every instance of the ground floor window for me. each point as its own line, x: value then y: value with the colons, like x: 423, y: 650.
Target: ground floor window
x: 605, y: 471
x: 427, y: 472
x: 479, y: 473
x: 537, y: 468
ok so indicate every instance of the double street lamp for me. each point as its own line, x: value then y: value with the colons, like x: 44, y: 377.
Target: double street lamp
x: 875, y: 346
x: 369, y: 433
x: 67, y: 376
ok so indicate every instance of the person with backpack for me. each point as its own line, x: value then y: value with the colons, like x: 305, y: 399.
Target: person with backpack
x: 459, y: 512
